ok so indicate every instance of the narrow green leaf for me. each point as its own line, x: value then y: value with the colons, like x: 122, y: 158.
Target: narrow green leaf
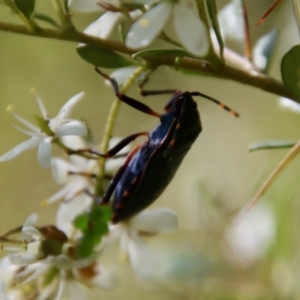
x: 271, y: 145
x: 26, y: 7
x: 102, y: 57
x: 264, y: 49
x: 161, y: 52
x: 46, y: 19
x: 290, y: 70
x: 213, y: 14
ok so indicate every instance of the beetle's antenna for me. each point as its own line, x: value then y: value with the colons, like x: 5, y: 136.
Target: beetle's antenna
x: 233, y: 112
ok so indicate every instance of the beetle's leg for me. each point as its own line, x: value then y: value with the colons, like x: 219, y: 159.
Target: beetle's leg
x: 118, y: 176
x: 130, y: 101
x: 159, y: 92
x: 113, y: 183
x: 84, y: 174
x: 113, y: 151
x: 217, y: 102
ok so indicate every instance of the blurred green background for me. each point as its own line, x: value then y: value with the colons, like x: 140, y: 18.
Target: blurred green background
x: 217, y: 177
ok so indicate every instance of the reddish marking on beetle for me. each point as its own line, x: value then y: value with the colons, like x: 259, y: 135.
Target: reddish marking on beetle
x: 120, y: 206
x: 126, y: 194
x: 134, y: 181
x: 172, y: 142
x: 178, y: 126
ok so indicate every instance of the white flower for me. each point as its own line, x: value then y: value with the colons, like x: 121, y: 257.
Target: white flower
x: 106, y: 24
x: 60, y: 126
x: 129, y: 236
x: 189, y: 28
x: 251, y: 236
x: 52, y: 274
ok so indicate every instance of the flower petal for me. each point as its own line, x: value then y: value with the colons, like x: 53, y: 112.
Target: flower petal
x: 26, y: 123
x: 106, y: 277
x: 23, y: 258
x: 155, y: 221
x: 59, y: 169
x: 42, y: 107
x: 27, y: 145
x: 105, y: 25
x: 144, y: 30
x: 45, y: 152
x: 140, y: 257
x: 66, y: 109
x: 69, y: 210
x: 289, y: 104
x: 71, y: 128
x: 30, y: 221
x: 190, y: 30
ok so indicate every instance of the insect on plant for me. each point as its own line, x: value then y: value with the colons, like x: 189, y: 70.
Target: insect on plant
x: 151, y: 165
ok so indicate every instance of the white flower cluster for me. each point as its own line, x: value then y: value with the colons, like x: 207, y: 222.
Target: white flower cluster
x: 189, y: 29
x: 43, y: 261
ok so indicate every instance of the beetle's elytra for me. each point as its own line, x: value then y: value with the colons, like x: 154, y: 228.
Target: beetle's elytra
x: 150, y: 167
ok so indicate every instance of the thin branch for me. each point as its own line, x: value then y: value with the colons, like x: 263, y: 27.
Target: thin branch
x: 283, y: 164
x: 246, y: 75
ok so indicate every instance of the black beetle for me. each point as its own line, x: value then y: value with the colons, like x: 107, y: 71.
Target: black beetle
x: 150, y: 167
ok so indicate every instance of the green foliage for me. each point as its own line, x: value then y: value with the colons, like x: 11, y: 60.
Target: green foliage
x: 213, y: 14
x: 290, y: 70
x: 102, y: 57
x: 26, y: 7
x: 93, y: 226
x: 46, y: 18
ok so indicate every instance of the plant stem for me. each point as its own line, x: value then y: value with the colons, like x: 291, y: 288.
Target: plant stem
x: 284, y: 163
x: 243, y: 73
x: 63, y: 17
x: 31, y: 26
x: 110, y: 125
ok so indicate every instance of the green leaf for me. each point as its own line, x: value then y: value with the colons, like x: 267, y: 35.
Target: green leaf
x: 272, y: 144
x: 290, y: 70
x: 106, y: 213
x: 46, y: 19
x: 93, y: 225
x: 264, y: 49
x: 161, y: 52
x: 81, y: 222
x: 85, y: 247
x: 26, y: 7
x: 102, y: 57
x: 213, y: 14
